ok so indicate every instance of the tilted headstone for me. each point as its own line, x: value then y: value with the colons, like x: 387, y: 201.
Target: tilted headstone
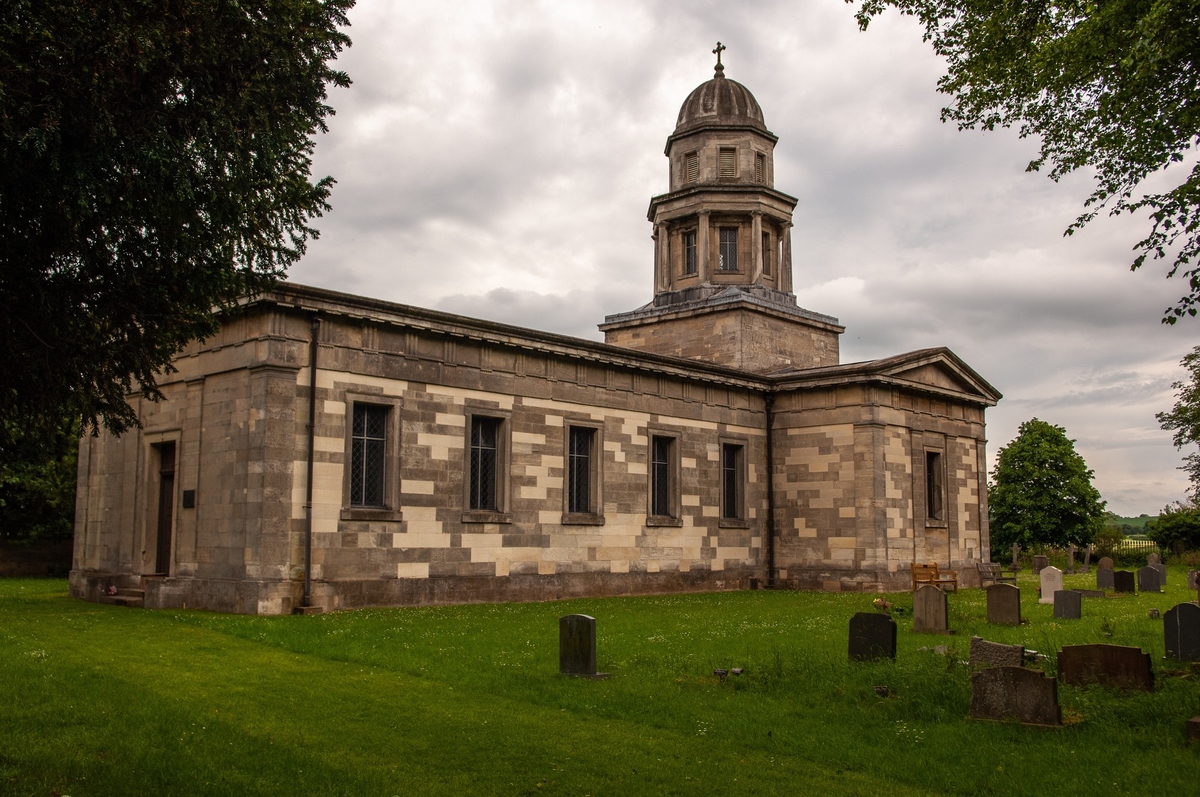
x: 872, y: 636
x: 1162, y: 573
x: 577, y: 645
x: 930, y: 609
x: 1040, y: 563
x: 1105, y: 563
x: 1147, y: 580
x: 1154, y: 559
x: 1123, y: 581
x: 1181, y: 627
x: 1000, y: 693
x: 1193, y: 580
x: 1106, y: 665
x: 1004, y: 604
x: 1104, y: 578
x: 994, y: 654
x: 1068, y: 604
x: 1071, y: 559
x: 1051, y: 582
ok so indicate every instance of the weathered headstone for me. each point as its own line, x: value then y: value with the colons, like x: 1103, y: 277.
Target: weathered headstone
x: 1051, y: 582
x: 1016, y: 565
x: 1040, y: 563
x: 1004, y: 604
x: 930, y: 609
x: 1147, y: 580
x: 1068, y: 604
x: 1107, y: 665
x: 1123, y: 581
x: 1181, y: 627
x: 872, y: 636
x: 1105, y: 563
x: 1071, y: 559
x: 577, y: 645
x: 1087, y: 560
x: 1193, y: 580
x: 1162, y: 573
x: 999, y: 693
x: 1104, y: 578
x: 995, y: 654
x: 1154, y: 559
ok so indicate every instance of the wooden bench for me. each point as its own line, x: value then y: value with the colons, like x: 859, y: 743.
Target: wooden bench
x: 928, y: 574
x: 990, y: 573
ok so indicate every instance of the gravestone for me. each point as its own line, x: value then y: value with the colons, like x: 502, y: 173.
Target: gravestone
x: 1004, y: 604
x: 577, y: 645
x: 1193, y: 580
x: 1104, y: 578
x: 1040, y: 563
x: 1154, y: 559
x: 1105, y: 563
x: 1071, y: 559
x: 930, y: 609
x: 1181, y: 627
x: 1106, y: 665
x: 1016, y: 565
x: 1051, y: 582
x: 1087, y: 560
x: 1123, y: 581
x: 1147, y: 579
x: 994, y: 654
x: 1068, y: 604
x: 1000, y: 693
x: 872, y: 636
x: 1162, y: 573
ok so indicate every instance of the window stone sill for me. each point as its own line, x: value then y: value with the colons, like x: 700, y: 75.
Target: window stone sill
x: 486, y: 516
x: 371, y: 514
x: 935, y: 524
x: 733, y: 523
x: 582, y: 519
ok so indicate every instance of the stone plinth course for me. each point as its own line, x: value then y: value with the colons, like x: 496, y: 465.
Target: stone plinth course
x: 1000, y: 693
x: 1106, y: 665
x: 1004, y: 604
x: 872, y: 636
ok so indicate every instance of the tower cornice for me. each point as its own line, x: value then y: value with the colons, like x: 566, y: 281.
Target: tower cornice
x: 721, y: 190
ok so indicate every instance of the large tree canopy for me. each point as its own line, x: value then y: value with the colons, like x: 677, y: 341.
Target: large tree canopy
x: 154, y: 164
x: 1184, y: 419
x: 1041, y: 491
x: 1112, y: 84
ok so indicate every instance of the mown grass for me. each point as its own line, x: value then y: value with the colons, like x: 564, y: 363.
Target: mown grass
x: 99, y: 700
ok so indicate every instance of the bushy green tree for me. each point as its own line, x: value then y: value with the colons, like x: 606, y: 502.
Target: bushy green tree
x: 1177, y: 528
x: 1041, y: 491
x: 154, y: 163
x: 1112, y: 87
x: 1184, y: 419
x: 37, y: 482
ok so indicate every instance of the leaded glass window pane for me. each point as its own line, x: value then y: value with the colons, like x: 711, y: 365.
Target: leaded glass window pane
x: 689, y: 253
x: 368, y: 454
x: 579, y: 469
x: 660, y: 477
x: 729, y: 249
x: 485, y: 433
x: 731, y: 481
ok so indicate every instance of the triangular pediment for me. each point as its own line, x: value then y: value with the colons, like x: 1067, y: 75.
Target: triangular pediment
x: 936, y: 375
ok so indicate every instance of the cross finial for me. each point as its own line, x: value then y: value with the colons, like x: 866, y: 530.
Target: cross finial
x: 719, y: 70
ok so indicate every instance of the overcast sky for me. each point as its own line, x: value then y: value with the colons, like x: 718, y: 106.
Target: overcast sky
x: 497, y: 158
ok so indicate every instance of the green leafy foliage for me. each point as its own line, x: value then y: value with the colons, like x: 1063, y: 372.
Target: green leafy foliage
x: 154, y: 164
x: 1184, y: 419
x: 1108, y: 539
x: 1111, y: 86
x: 37, y: 482
x: 1041, y: 491
x: 1177, y: 528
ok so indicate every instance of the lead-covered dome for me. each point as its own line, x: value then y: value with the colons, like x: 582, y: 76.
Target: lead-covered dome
x: 720, y: 102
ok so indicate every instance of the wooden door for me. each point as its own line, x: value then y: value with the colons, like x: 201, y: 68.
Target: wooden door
x: 166, y: 506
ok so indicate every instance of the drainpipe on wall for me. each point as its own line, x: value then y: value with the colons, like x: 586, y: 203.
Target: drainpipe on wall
x: 770, y: 404
x: 306, y: 601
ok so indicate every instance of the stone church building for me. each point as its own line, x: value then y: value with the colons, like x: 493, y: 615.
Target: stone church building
x: 332, y: 451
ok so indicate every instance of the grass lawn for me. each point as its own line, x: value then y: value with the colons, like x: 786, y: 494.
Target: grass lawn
x: 101, y: 700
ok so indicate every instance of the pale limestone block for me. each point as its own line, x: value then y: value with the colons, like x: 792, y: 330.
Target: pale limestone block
x: 506, y: 554
x: 821, y: 502
x: 843, y: 542
x: 752, y: 512
x: 450, y: 419
x: 652, y: 566
x: 684, y: 565
x: 501, y: 567
x: 846, y: 511
x: 893, y: 533
x: 714, y: 453
x: 751, y: 473
x: 690, y: 500
x: 716, y: 564
x: 549, y: 517
x: 710, y: 511
x: 416, y: 487
x: 547, y: 568
x: 440, y: 444
x: 619, y: 455
x: 630, y: 429
x: 552, y: 461
x: 459, y: 395
x: 636, y: 468
x: 531, y: 438
x: 550, y: 482
x: 841, y: 554
x: 756, y: 542
x: 477, y: 542
x: 687, y: 462
x: 330, y: 407
x: 612, y: 445
x: 746, y: 430
x: 536, y: 470
x: 334, y: 380
x: 533, y: 491
x: 732, y: 553
x: 554, y: 420
x: 415, y: 539
x: 412, y: 570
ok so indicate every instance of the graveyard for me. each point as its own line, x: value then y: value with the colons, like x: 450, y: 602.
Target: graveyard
x: 748, y: 692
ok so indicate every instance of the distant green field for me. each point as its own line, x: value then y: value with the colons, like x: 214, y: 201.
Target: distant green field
x: 466, y: 700
x: 1136, y: 522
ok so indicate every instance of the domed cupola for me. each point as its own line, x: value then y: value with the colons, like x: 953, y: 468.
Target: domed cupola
x: 723, y: 246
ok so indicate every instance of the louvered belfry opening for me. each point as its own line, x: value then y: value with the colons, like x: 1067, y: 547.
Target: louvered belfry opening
x: 691, y: 166
x: 726, y: 163
x: 368, y: 439
x: 730, y: 481
x: 579, y: 469
x: 485, y: 434
x: 660, y: 477
x: 760, y: 168
x: 729, y: 249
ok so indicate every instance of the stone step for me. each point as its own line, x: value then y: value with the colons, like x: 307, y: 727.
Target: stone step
x: 131, y: 593
x: 132, y: 601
